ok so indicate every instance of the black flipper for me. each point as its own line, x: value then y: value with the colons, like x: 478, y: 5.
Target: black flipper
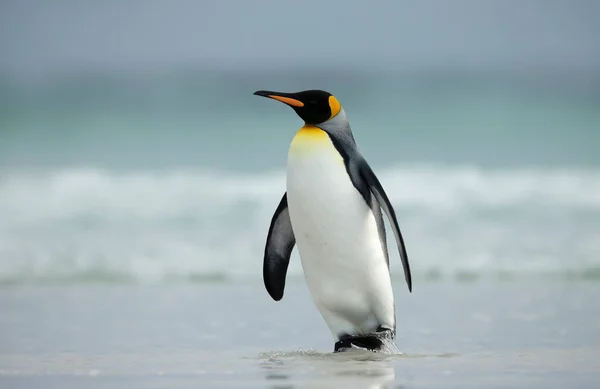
x: 279, y: 246
x: 376, y: 209
x: 375, y: 186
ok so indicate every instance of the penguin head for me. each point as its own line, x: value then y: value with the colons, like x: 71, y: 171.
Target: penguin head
x: 313, y: 106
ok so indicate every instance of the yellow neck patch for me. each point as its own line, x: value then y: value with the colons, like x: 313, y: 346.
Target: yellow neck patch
x: 335, y: 106
x: 311, y: 141
x: 311, y: 133
x: 308, y: 138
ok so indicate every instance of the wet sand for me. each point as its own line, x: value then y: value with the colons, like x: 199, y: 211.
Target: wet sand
x: 484, y: 334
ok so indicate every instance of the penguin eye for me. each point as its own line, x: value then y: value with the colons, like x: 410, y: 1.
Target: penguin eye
x: 313, y: 102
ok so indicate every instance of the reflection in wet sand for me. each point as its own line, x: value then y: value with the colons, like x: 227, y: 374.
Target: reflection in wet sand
x: 326, y: 370
x: 306, y: 369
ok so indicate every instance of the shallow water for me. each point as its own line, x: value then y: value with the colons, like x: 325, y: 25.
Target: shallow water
x: 500, y: 334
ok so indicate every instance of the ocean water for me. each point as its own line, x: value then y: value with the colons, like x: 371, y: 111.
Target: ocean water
x: 173, y: 177
x: 134, y: 208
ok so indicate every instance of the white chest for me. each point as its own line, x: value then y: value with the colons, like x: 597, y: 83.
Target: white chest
x: 334, y: 227
x: 321, y: 197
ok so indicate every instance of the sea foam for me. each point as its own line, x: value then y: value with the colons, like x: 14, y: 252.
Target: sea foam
x: 87, y: 224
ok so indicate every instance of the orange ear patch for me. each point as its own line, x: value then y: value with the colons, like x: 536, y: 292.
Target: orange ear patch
x: 335, y: 106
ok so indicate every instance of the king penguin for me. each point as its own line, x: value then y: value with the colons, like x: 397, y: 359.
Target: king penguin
x: 332, y: 211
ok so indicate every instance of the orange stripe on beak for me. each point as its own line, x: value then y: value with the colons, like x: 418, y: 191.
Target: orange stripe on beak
x: 288, y: 101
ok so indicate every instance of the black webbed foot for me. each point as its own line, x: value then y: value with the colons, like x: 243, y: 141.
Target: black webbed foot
x: 372, y: 342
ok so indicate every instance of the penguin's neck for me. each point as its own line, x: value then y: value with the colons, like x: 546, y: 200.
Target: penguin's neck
x: 338, y: 123
x: 310, y: 141
x: 315, y: 169
x: 310, y: 133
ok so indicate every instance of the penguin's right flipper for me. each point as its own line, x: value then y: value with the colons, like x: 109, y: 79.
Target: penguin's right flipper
x: 279, y: 246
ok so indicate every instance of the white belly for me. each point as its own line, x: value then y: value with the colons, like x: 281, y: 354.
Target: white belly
x: 337, y: 239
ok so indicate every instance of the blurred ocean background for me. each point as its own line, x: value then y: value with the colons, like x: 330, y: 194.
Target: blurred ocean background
x: 133, y: 150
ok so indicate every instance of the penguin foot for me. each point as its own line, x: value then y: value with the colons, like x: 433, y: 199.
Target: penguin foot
x: 374, y: 342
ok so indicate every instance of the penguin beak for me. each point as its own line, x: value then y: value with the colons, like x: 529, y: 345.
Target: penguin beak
x: 286, y: 98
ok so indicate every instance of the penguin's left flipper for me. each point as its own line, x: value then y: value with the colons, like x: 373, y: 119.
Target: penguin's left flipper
x: 369, y: 177
x: 279, y: 246
x: 366, y: 182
